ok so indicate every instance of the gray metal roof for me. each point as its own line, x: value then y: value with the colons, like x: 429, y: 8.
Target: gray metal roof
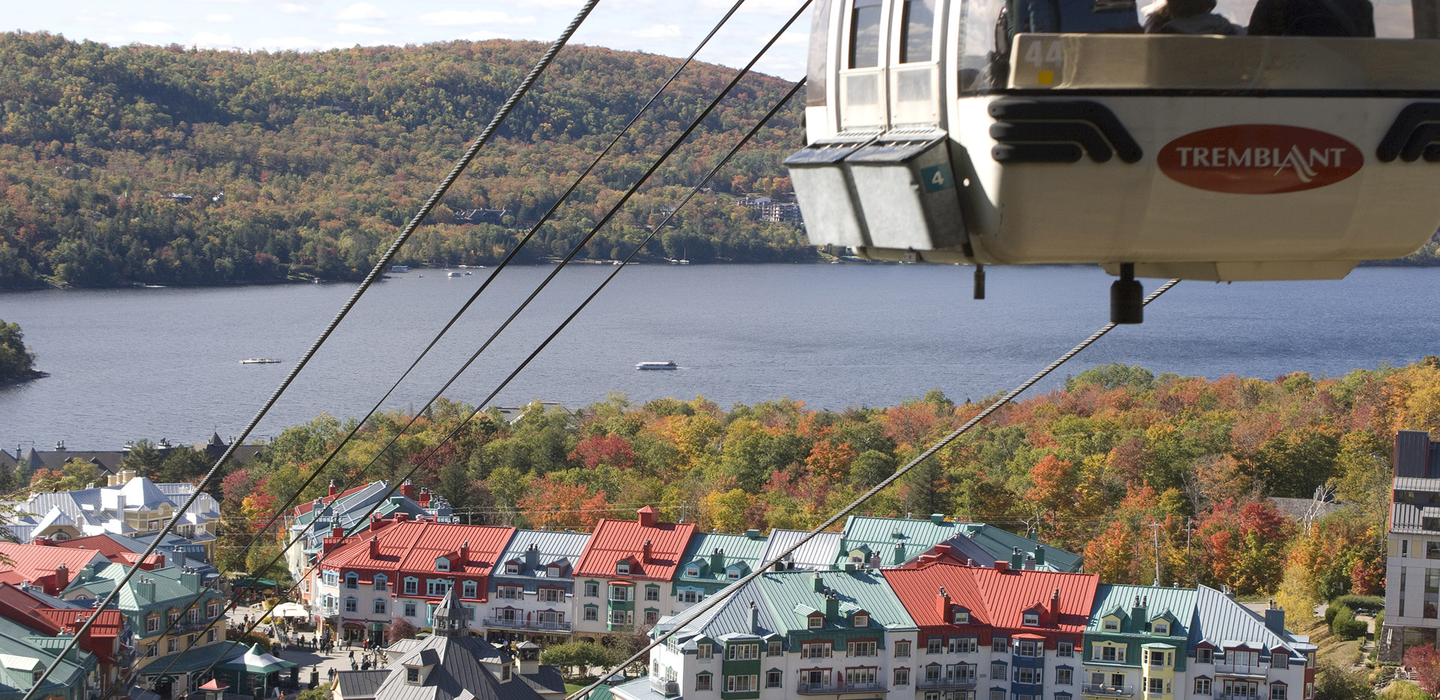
x: 1218, y: 619
x: 552, y: 546
x: 1415, y: 483
x: 731, y: 616
x: 818, y: 553
x: 1409, y: 518
x: 359, y: 685
x: 458, y: 669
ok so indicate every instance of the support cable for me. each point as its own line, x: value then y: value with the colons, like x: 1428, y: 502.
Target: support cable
x: 363, y: 520
x: 691, y: 614
x: 510, y: 256
x: 384, y: 261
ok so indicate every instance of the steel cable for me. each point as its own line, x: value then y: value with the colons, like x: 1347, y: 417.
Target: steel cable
x: 691, y: 614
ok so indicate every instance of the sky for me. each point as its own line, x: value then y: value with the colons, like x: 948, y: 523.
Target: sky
x: 666, y: 27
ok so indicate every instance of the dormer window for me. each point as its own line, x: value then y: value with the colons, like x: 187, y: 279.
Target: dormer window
x: 817, y: 622
x: 962, y: 617
x: 622, y: 567
x: 1112, y: 624
x: 1031, y: 619
x: 732, y: 574
x: 861, y: 620
x: 442, y: 564
x: 693, y: 572
x: 553, y: 571
x: 512, y: 568
x: 412, y: 676
x: 1160, y: 627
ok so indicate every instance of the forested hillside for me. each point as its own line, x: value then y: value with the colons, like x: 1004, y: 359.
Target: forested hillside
x: 307, y: 164
x: 1088, y: 468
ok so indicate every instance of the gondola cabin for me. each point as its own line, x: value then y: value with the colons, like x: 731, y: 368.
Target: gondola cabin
x: 1057, y: 131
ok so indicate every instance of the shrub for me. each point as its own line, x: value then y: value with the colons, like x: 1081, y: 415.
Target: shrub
x: 1367, y: 603
x: 1345, y: 626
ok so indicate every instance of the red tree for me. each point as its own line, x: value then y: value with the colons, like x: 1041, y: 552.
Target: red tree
x: 1425, y: 660
x: 605, y: 449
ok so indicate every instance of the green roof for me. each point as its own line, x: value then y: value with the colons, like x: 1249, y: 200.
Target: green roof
x: 736, y: 548
x: 898, y: 540
x: 1157, y: 601
x: 196, y: 659
x: 790, y: 594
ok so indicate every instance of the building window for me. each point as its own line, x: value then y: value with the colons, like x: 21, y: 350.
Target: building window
x: 1026, y: 675
x: 352, y: 580
x: 1065, y: 649
x: 689, y: 595
x: 170, y: 645
x: 815, y: 650
x: 409, y: 608
x: 210, y: 637
x: 775, y: 648
x: 1031, y: 619
x: 817, y: 622
x: 592, y: 613
x: 442, y: 564
x: 381, y: 582
x: 739, y: 684
x: 703, y: 652
x: 902, y: 649
x: 550, y: 595
x: 652, y: 593
x: 1000, y: 645
x: 692, y: 572
x: 902, y: 676
x: 964, y: 645
x: 1028, y: 647
x: 1063, y: 676
x: 1161, y: 628
x: 861, y: 620
x: 1277, y: 691
x: 512, y: 568
x: 742, y: 652
x: 1279, y: 659
x: 211, y: 609
x: 351, y: 605
x: 468, y: 589
x: 152, y: 623
x: 412, y: 675
x: 652, y: 616
x: 861, y: 648
x: 933, y: 645
x: 1309, y: 691
x: 1157, y: 686
x: 622, y: 567
x: 1117, y: 680
x: 773, y: 679
x: 962, y: 617
x: 436, y: 587
x: 1202, y: 686
x: 592, y: 589
x: 702, y: 681
x: 1112, y: 624
x: 732, y: 574
x: 412, y: 586
x: 1203, y: 656
x: 997, y: 694
x: 151, y: 651
x: 997, y: 671
x: 379, y: 606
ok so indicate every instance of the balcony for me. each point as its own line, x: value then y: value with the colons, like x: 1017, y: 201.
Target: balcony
x: 1245, y: 670
x: 520, y: 623
x: 667, y: 688
x: 1109, y: 691
x: 945, y: 683
x: 839, y: 688
x: 506, y: 622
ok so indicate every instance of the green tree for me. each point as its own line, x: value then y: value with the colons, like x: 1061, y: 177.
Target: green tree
x: 16, y: 360
x: 1335, y: 683
x: 578, y: 655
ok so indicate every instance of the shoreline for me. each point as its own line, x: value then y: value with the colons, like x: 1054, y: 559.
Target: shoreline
x: 16, y: 381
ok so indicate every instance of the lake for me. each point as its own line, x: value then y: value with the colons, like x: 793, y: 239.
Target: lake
x: 127, y: 364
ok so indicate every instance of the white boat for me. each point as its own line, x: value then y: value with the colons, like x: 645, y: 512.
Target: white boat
x: 260, y: 361
x: 657, y: 365
x: 399, y: 268
x: 468, y: 272
x: 454, y: 274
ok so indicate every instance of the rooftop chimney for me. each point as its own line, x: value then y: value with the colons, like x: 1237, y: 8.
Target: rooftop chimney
x: 402, y: 517
x: 425, y: 498
x: 407, y: 490
x: 1039, y: 555
x: 645, y: 553
x: 818, y: 583
x: 378, y: 523
x: 1055, y: 607
x: 942, y: 606
x: 752, y: 533
x: 717, y: 560
x: 62, y: 581
x: 898, y: 557
x: 374, y: 547
x: 832, y: 606
x: 1017, y: 558
x: 1002, y: 566
x: 44, y: 541
x: 332, y: 490
x: 647, y: 516
x: 937, y: 518
x: 337, y: 531
x: 1275, y: 619
x: 754, y: 618
x: 464, y: 553
x: 532, y: 556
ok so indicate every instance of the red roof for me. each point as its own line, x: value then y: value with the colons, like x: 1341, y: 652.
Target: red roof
x: 413, y: 547
x: 615, y: 540
x: 22, y: 608
x: 114, y: 551
x: 37, y: 563
x: 995, y: 598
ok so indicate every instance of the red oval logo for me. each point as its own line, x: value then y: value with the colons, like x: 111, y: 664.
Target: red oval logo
x: 1259, y: 159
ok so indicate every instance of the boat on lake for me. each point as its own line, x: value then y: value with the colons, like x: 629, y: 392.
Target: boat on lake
x: 260, y: 361
x: 454, y: 273
x: 657, y: 365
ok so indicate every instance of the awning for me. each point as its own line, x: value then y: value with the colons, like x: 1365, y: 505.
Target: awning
x: 257, y: 662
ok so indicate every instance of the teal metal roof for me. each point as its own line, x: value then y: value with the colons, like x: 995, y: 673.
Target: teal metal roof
x: 744, y: 549
x: 898, y: 540
x: 22, y: 651
x: 170, y: 588
x: 1178, y: 603
x: 196, y: 659
x: 790, y: 594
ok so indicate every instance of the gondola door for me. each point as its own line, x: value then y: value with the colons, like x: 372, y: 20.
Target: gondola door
x: 916, y: 51
x: 863, y: 57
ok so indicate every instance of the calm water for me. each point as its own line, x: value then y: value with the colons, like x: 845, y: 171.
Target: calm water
x: 151, y: 363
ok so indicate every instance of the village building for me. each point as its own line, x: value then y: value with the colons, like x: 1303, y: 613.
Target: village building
x: 127, y: 505
x: 1412, y: 562
x: 626, y: 574
x: 532, y: 588
x: 888, y: 542
x: 713, y: 561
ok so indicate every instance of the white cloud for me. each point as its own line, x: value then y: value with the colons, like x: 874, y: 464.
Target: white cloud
x: 291, y: 8
x: 657, y: 31
x: 151, y: 27
x: 352, y: 28
x: 454, y: 17
x: 483, y: 35
x: 361, y: 10
x: 219, y: 18
x: 212, y: 40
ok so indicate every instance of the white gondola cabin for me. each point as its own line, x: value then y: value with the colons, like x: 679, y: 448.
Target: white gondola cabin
x: 1054, y: 131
